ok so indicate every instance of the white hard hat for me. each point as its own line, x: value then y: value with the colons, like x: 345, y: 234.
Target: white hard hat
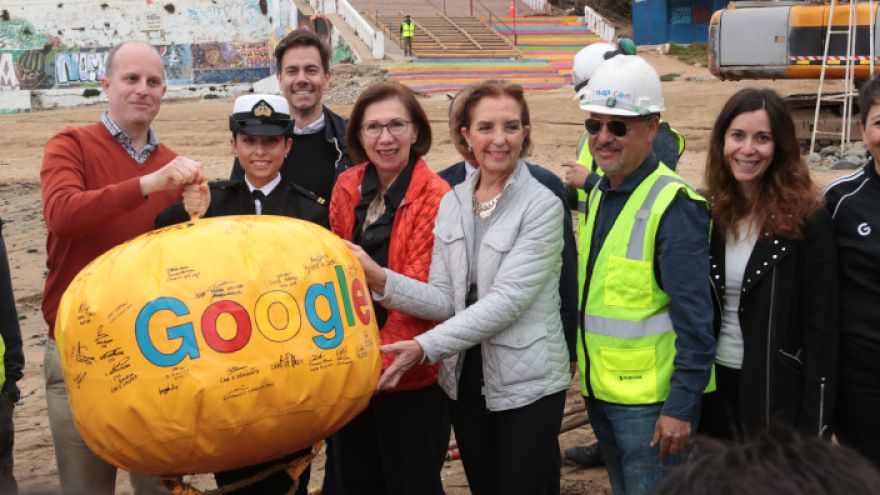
x: 624, y: 85
x: 585, y: 63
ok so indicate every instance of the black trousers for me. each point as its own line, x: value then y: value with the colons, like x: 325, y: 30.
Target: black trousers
x: 858, y: 398
x: 721, y: 417
x: 7, y: 436
x: 278, y: 483
x: 513, y: 452
x: 397, y: 446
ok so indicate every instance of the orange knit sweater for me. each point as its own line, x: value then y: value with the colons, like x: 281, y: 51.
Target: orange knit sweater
x: 92, y: 202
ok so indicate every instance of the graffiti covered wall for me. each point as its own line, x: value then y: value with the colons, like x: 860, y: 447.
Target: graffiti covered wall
x: 90, y: 23
x: 230, y: 62
x: 215, y: 63
x: 64, y: 43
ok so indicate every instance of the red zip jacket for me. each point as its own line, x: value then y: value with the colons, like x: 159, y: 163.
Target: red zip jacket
x: 409, y: 252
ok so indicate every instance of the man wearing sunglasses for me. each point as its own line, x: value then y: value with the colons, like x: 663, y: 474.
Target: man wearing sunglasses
x: 645, y: 347
x: 580, y: 176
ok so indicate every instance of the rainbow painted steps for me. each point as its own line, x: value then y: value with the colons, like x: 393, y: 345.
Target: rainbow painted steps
x: 548, y: 45
x: 432, y: 76
x: 554, y: 39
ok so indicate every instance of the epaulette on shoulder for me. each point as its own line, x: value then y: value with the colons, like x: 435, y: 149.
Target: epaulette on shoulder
x: 224, y: 184
x: 309, y: 194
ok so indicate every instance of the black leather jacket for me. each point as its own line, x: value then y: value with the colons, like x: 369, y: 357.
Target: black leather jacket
x: 789, y: 318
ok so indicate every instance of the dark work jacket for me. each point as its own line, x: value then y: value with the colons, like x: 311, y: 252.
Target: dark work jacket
x: 232, y: 197
x: 568, y: 289
x: 13, y: 358
x: 788, y: 314
x: 334, y: 133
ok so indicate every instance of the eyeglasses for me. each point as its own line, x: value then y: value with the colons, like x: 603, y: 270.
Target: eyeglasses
x: 615, y: 127
x: 396, y: 128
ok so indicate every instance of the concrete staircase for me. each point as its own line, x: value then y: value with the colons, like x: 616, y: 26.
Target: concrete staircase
x: 421, y: 8
x: 439, y: 36
x: 547, y: 46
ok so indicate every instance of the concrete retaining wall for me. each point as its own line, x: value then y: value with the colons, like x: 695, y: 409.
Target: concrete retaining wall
x: 63, y: 44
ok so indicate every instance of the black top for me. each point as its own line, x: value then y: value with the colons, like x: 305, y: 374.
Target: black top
x: 788, y: 314
x: 376, y: 238
x: 854, y: 203
x: 232, y: 197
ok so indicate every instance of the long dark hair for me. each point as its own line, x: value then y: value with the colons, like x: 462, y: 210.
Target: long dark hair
x: 787, y: 195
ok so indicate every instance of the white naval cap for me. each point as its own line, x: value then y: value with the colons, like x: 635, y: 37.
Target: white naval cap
x: 260, y: 115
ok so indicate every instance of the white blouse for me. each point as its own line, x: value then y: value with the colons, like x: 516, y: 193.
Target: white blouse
x: 736, y: 256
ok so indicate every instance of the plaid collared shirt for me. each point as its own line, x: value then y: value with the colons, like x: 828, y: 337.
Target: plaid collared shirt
x: 123, y: 139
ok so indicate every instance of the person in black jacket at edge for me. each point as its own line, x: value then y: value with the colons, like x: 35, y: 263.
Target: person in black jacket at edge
x: 568, y: 289
x: 773, y: 272
x: 13, y: 364
x: 260, y: 126
x: 854, y: 203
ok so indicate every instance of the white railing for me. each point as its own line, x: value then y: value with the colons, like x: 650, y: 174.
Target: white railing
x: 538, y: 5
x: 374, y: 40
x: 598, y: 25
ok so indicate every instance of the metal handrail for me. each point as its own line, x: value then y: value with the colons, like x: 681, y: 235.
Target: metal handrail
x: 597, y: 24
x: 498, y: 20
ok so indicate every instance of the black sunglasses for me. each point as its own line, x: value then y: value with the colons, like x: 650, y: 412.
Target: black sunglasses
x: 615, y: 127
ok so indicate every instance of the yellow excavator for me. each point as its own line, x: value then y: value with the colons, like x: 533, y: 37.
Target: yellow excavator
x: 786, y: 40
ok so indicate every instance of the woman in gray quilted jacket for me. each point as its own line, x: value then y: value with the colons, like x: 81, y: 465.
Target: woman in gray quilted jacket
x: 494, y: 282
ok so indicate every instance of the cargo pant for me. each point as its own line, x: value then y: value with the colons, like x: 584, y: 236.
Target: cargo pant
x: 79, y: 469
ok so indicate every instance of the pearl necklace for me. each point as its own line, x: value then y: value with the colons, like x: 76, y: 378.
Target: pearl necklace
x: 485, y: 208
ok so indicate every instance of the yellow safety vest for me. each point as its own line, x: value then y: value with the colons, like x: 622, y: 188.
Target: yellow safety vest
x: 409, y: 29
x: 627, y: 333
x: 585, y: 159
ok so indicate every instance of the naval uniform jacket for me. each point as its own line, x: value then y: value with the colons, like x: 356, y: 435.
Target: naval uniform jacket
x: 232, y: 197
x: 788, y: 314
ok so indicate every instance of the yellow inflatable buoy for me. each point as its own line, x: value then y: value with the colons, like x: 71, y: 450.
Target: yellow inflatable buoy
x: 217, y: 344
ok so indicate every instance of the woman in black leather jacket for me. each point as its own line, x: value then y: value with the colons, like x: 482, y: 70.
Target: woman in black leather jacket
x: 773, y: 274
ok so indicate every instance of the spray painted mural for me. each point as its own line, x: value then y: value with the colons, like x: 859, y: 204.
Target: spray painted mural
x: 178, y: 63
x: 30, y: 60
x: 38, y: 60
x: 230, y: 62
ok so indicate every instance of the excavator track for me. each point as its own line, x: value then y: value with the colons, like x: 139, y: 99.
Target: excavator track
x: 803, y: 108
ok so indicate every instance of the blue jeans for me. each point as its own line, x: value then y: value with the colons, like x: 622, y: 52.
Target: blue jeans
x: 624, y: 434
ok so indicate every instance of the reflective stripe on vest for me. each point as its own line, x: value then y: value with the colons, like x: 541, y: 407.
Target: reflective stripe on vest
x: 409, y: 29
x: 623, y: 329
x: 627, y: 330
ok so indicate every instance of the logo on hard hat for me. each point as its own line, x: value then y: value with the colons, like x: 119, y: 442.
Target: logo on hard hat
x: 262, y: 109
x: 611, y: 102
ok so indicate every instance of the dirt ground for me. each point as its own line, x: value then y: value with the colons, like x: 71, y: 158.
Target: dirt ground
x: 198, y: 129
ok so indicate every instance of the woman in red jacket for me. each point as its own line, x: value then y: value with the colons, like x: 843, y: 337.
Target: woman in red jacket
x: 387, y: 205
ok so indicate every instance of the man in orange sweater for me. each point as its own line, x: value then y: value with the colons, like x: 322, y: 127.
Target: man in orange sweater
x: 102, y: 185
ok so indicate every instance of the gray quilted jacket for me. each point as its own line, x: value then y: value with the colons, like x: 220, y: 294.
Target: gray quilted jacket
x: 516, y: 318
